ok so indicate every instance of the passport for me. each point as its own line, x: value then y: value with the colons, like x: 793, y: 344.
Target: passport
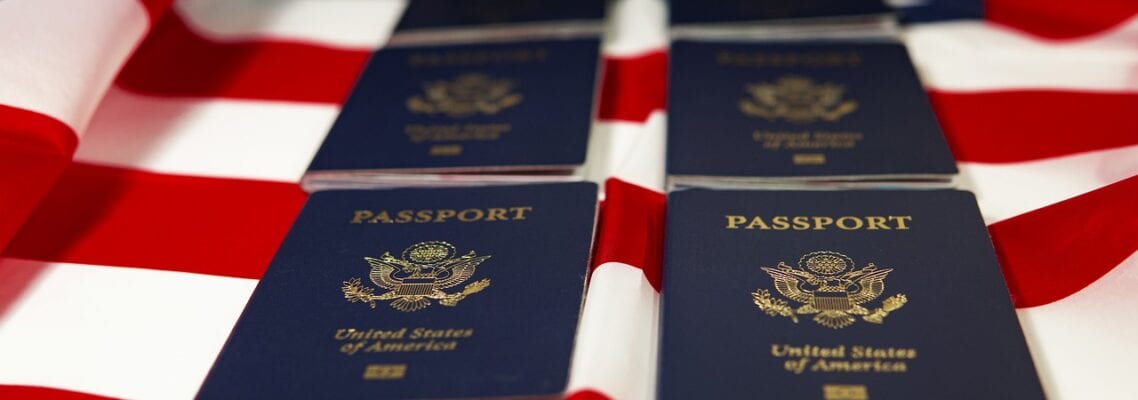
x: 427, y: 14
x: 451, y: 21
x: 940, y: 10
x: 503, y: 107
x: 836, y: 295
x: 720, y: 11
x: 745, y: 113
x: 417, y: 293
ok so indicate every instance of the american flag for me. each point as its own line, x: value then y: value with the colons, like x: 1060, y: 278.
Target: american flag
x: 150, y: 154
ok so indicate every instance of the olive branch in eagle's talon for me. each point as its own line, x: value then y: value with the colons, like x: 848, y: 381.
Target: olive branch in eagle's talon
x: 354, y: 291
x: 773, y: 306
x: 470, y: 289
x: 889, y: 305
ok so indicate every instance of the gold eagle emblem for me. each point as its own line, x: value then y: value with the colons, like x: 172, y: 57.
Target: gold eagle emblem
x: 830, y: 288
x: 465, y: 95
x: 418, y: 277
x: 796, y: 99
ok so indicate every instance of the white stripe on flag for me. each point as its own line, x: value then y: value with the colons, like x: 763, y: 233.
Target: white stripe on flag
x: 635, y: 27
x: 57, y: 57
x: 337, y: 23
x: 615, y: 352
x: 1083, y: 345
x: 978, y: 56
x: 630, y: 151
x: 1007, y: 190
x: 113, y: 331
x: 253, y: 139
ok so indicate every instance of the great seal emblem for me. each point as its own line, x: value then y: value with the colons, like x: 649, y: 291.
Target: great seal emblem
x: 796, y: 99
x: 417, y: 277
x: 465, y: 95
x: 830, y: 287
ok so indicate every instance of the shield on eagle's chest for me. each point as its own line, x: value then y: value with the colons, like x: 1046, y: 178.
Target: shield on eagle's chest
x: 416, y: 287
x: 832, y: 301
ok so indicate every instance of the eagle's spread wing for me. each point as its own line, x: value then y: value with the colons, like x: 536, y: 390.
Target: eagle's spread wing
x: 381, y: 271
x: 789, y: 284
x: 872, y: 284
x: 766, y: 94
x: 830, y: 95
x: 500, y: 89
x: 460, y: 270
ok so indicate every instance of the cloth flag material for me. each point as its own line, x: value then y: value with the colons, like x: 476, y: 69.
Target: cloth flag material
x: 150, y: 154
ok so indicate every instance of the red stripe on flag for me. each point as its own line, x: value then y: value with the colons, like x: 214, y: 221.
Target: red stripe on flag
x: 34, y: 151
x: 176, y: 61
x: 1023, y: 125
x: 120, y: 217
x: 155, y: 8
x: 633, y: 87
x: 15, y: 279
x: 36, y: 392
x: 1053, y: 252
x: 631, y: 229
x: 1060, y: 19
x: 587, y: 394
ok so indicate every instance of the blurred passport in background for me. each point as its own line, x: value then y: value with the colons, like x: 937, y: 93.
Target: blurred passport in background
x: 427, y: 21
x: 748, y: 113
x: 474, y: 108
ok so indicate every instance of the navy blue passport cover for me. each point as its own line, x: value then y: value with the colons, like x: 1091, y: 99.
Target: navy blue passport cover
x: 467, y: 107
x: 718, y: 11
x: 955, y: 332
x: 426, y: 14
x: 800, y: 109
x: 513, y: 337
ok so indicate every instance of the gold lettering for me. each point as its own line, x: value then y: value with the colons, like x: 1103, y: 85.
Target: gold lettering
x: 361, y: 215
x: 381, y: 217
x: 777, y: 350
x: 385, y: 371
x: 733, y: 221
x: 356, y: 334
x: 442, y: 215
x: 808, y: 159
x: 801, y: 223
x: 403, y: 217
x: 876, y: 223
x: 424, y: 333
x: 780, y: 223
x: 857, y: 223
x: 445, y: 150
x: 817, y: 222
x: 419, y: 133
x: 477, y: 215
x: 820, y: 223
x: 758, y: 221
x: 816, y: 59
x: 496, y: 214
x: 901, y: 220
x: 520, y: 212
x: 476, y: 57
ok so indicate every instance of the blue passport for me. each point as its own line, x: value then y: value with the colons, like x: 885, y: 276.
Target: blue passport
x: 720, y: 11
x: 417, y: 293
x: 428, y: 14
x: 466, y: 108
x: 800, y: 111
x: 939, y: 10
x: 836, y: 295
